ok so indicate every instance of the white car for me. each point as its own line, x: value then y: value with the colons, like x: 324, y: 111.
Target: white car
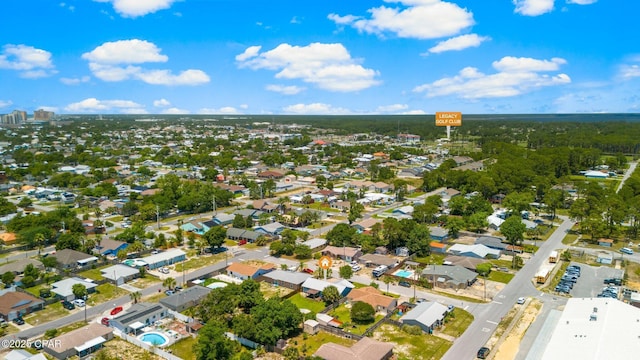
x: 356, y: 268
x: 521, y: 300
x: 78, y: 302
x: 164, y: 270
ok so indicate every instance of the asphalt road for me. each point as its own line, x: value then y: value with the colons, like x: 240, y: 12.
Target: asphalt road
x: 487, y: 316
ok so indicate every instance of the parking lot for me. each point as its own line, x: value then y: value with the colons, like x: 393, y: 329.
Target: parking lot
x: 591, y: 280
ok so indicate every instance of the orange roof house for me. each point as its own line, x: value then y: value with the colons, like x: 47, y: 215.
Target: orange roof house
x: 8, y: 238
x: 246, y: 271
x: 373, y: 297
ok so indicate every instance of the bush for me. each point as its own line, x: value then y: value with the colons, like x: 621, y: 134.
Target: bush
x: 28, y: 281
x: 51, y: 333
x: 412, y: 329
x: 362, y: 313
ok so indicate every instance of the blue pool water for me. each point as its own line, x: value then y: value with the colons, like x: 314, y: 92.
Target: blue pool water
x: 153, y: 338
x: 403, y: 273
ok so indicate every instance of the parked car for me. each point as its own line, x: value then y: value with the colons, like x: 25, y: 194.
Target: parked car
x: 164, y: 270
x: 356, y: 268
x: 177, y: 288
x: 18, y: 321
x: 105, y: 321
x: 169, y: 292
x: 613, y: 281
x: 116, y: 310
x: 79, y: 302
x: 483, y: 352
x: 308, y: 271
x: 404, y: 283
x: 521, y: 300
x: 68, y: 305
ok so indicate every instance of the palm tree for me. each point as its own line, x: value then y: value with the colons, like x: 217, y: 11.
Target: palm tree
x: 135, y: 296
x: 169, y: 283
x: 39, y: 240
x: 387, y: 280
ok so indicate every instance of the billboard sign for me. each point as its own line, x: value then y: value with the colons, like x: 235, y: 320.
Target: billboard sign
x: 448, y: 118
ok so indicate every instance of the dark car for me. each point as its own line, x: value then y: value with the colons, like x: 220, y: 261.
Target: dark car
x: 613, y: 281
x: 18, y: 321
x: 177, y: 288
x: 68, y: 305
x: 483, y: 352
x: 404, y: 283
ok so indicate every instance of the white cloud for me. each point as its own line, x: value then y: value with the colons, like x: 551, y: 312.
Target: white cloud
x: 244, y: 106
x: 295, y: 20
x: 315, y: 109
x: 419, y: 19
x: 514, y: 64
x: 328, y: 66
x: 582, y: 2
x: 95, y: 105
x: 286, y: 90
x: 222, y: 110
x: 135, y: 8
x: 112, y: 61
x: 132, y: 51
x: 533, y: 7
x: 414, y: 112
x: 75, y: 81
x: 459, y: 43
x: 5, y: 103
x: 175, y: 111
x: 515, y: 76
x: 391, y: 108
x: 31, y: 62
x: 161, y: 103
x: 629, y: 72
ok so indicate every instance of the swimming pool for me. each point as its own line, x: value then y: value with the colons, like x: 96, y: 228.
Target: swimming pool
x: 403, y: 273
x: 154, y: 338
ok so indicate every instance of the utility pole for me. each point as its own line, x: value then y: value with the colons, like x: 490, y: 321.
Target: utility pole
x: 214, y: 205
x: 158, y: 216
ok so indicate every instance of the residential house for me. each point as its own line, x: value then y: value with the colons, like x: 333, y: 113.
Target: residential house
x: 16, y: 304
x: 245, y: 213
x: 64, y: 288
x: 364, y: 349
x: 68, y: 258
x: 8, y: 238
x: 164, y: 258
x: 381, y: 187
x: 439, y: 234
x: 245, y: 271
x: 272, y: 229
x: 223, y: 219
x: 315, y: 244
x: 477, y: 251
x: 270, y: 174
x: 243, y: 235
x: 374, y: 260
x: 403, y: 210
x: 492, y: 242
x: 402, y: 251
x: 139, y: 316
x: 119, y: 273
x: 314, y: 287
x: 286, y: 279
x: 428, y: 315
x: 20, y: 354
x: 438, y: 247
x: 345, y: 253
x: 341, y: 205
x: 453, y: 277
x: 81, y: 342
x: 365, y: 225
x: 468, y: 263
x: 17, y: 267
x: 373, y: 297
x: 186, y: 298
x: 110, y: 247
x: 195, y: 226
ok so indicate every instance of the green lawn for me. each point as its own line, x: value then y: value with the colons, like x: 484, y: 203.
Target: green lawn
x: 343, y: 313
x: 501, y: 263
x: 200, y: 262
x: 437, y: 259
x: 155, y: 297
x: 313, y: 342
x: 71, y: 327
x: 458, y: 323
x: 105, y: 292
x: 500, y: 276
x: 413, y: 347
x: 570, y: 238
x: 93, y: 274
x: 184, y: 348
x: 49, y: 313
x: 35, y: 290
x: 303, y: 303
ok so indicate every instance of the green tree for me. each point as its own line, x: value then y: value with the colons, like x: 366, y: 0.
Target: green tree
x: 49, y: 262
x: 454, y: 224
x: 239, y: 222
x: 483, y: 269
x: 341, y: 235
x: 169, y: 283
x: 32, y: 271
x: 213, y: 344
x: 135, y: 296
x: 330, y: 294
x: 79, y: 291
x: 419, y: 241
x: 346, y: 272
x: 387, y: 280
x: 215, y: 236
x: 7, y: 278
x: 362, y: 313
x: 513, y: 230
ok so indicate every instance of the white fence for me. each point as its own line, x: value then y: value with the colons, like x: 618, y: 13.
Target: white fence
x: 176, y: 315
x: 152, y: 349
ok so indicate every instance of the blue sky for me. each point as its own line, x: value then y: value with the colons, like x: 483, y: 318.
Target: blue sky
x: 319, y: 57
